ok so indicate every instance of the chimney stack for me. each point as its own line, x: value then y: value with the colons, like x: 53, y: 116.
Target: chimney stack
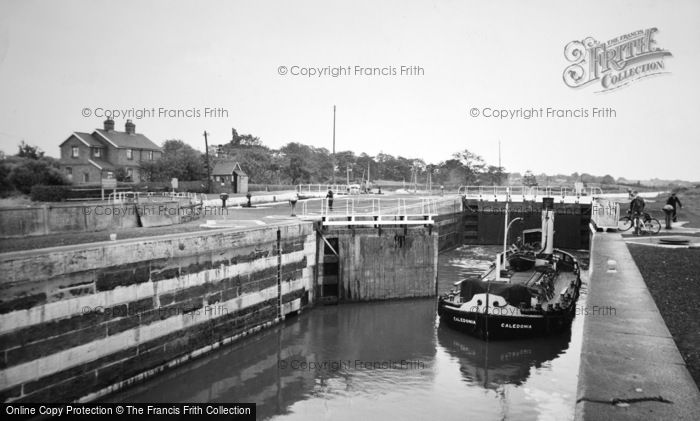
x: 130, y: 127
x: 109, y: 124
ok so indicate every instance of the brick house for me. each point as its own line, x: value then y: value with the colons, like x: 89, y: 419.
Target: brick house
x: 86, y: 158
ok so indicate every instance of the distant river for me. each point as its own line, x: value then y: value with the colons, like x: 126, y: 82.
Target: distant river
x: 383, y: 360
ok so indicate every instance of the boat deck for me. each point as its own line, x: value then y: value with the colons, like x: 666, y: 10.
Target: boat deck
x: 525, y: 277
x: 530, y: 277
x: 560, y: 284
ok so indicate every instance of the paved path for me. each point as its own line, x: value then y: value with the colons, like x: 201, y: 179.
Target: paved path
x: 630, y: 366
x: 677, y: 231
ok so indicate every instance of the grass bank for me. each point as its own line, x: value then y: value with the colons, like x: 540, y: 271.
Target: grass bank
x: 672, y: 276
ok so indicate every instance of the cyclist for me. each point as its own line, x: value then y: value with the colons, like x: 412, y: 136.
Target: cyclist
x: 637, y: 211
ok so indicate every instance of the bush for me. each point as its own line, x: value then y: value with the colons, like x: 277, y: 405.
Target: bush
x: 26, y: 173
x: 202, y: 188
x: 41, y: 193
x: 6, y: 187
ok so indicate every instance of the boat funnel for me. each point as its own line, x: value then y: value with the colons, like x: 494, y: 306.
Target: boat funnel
x: 547, y: 225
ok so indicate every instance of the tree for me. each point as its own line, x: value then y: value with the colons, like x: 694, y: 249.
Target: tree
x: 241, y: 140
x: 297, y: 162
x: 472, y: 164
x: 121, y: 174
x: 256, y: 162
x: 153, y: 171
x: 179, y: 160
x: 297, y: 169
x: 467, y: 164
x: 493, y: 175
x: 31, y: 152
x: 607, y: 179
x: 366, y: 162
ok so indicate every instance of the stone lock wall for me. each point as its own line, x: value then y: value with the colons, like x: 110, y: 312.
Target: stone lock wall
x: 78, y: 322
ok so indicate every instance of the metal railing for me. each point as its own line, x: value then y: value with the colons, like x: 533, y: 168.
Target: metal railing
x: 122, y: 197
x: 321, y: 188
x: 525, y: 192
x: 130, y: 196
x: 379, y: 211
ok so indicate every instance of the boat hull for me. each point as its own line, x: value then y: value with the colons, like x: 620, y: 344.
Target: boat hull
x: 504, y: 326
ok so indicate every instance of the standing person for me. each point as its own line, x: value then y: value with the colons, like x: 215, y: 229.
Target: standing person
x: 674, y: 201
x: 293, y: 202
x: 329, y: 196
x: 637, y: 210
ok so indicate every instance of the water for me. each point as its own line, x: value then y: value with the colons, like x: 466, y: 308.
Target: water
x: 384, y: 360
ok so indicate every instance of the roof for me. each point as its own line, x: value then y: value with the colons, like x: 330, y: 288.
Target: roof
x: 102, y: 138
x: 227, y: 168
x: 126, y: 140
x: 101, y: 164
x: 86, y: 139
x: 92, y: 161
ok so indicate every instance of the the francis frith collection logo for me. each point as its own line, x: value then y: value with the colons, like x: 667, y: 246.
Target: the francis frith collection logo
x: 614, y: 63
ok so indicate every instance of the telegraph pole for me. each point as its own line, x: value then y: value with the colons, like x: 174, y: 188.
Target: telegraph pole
x: 206, y: 151
x: 334, y: 145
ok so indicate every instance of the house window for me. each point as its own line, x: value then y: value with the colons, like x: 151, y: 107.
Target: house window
x: 130, y: 173
x: 69, y: 171
x: 97, y: 152
x: 86, y: 177
x: 110, y: 175
x: 74, y: 152
x: 129, y: 154
x: 150, y: 155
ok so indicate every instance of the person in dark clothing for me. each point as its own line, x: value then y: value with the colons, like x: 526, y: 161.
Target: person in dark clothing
x: 329, y: 196
x: 637, y: 211
x: 675, y: 202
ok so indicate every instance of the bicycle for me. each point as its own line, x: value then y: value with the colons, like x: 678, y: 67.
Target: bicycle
x: 648, y: 224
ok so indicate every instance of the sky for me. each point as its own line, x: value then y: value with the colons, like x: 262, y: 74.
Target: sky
x: 65, y: 64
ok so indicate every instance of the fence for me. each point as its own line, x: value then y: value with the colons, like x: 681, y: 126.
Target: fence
x: 321, y: 188
x: 501, y: 193
x: 380, y: 211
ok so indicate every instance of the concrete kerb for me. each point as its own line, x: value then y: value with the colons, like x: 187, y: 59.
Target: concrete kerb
x: 630, y: 365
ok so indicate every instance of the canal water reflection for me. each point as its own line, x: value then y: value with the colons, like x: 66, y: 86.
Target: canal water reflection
x: 383, y: 360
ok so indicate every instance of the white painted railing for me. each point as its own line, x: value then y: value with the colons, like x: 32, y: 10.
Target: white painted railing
x: 122, y: 197
x: 321, y: 188
x: 379, y: 211
x: 516, y: 193
x: 130, y: 196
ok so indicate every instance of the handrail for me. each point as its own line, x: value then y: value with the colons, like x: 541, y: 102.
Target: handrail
x: 379, y: 208
x: 526, y: 191
x: 321, y: 188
